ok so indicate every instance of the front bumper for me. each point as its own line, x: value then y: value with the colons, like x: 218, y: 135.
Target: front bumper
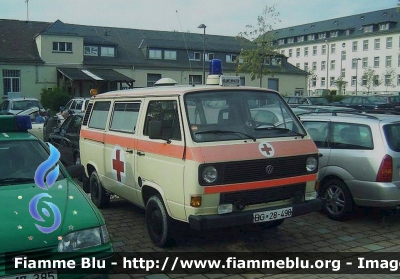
x: 203, y: 222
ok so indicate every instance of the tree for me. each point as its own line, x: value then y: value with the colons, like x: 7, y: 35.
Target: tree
x: 389, y: 76
x: 54, y: 98
x: 370, y: 79
x: 311, y: 76
x: 257, y: 45
x: 340, y: 83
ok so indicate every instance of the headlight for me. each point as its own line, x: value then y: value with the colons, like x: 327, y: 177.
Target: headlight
x: 209, y: 174
x: 83, y: 239
x: 311, y: 164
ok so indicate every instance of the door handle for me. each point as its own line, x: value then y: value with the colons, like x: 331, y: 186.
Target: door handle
x: 140, y: 153
x: 129, y: 151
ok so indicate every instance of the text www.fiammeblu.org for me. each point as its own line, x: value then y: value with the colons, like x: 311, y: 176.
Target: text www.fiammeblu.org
x: 234, y: 263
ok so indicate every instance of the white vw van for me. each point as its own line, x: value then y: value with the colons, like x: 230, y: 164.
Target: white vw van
x: 210, y: 156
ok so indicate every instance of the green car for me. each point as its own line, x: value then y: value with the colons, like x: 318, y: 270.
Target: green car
x: 49, y: 227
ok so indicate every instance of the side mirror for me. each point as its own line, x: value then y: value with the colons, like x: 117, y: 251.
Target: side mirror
x: 155, y: 129
x: 76, y: 171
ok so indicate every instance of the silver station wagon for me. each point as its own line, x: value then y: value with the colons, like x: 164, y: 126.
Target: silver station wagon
x: 360, y: 160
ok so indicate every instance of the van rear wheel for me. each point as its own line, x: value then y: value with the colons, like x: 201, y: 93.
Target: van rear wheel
x: 158, y: 222
x: 338, y: 200
x: 99, y: 195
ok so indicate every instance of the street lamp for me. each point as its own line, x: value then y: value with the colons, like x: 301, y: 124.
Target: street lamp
x: 327, y: 63
x: 357, y: 72
x: 204, y: 50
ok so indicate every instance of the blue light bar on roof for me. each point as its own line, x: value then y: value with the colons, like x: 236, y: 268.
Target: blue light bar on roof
x: 216, y: 67
x: 15, y: 123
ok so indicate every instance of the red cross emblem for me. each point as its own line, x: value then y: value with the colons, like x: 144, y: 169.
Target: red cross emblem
x: 117, y: 164
x: 266, y: 149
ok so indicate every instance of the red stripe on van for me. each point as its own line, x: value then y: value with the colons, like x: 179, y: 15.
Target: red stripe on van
x: 259, y: 184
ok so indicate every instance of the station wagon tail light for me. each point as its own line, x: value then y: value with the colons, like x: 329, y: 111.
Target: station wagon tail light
x: 385, y: 170
x: 195, y: 201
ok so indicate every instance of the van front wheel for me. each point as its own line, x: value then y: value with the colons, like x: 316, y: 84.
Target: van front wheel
x: 99, y: 196
x: 158, y: 222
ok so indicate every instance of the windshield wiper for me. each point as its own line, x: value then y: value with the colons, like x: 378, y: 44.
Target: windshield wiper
x: 14, y: 180
x: 283, y: 130
x: 226, y: 132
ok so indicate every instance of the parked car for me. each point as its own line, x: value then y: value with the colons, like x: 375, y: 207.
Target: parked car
x: 371, y: 104
x: 66, y: 139
x: 322, y: 108
x: 77, y: 105
x: 295, y: 101
x: 37, y: 126
x: 16, y: 105
x: 360, y: 160
x: 44, y: 214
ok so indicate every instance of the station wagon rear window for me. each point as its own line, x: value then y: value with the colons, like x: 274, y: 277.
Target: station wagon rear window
x: 392, y: 134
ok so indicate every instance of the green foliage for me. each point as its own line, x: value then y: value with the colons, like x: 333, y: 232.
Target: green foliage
x: 54, y: 98
x: 334, y: 98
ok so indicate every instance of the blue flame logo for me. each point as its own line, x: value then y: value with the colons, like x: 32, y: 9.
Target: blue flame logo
x: 35, y: 214
x: 41, y: 183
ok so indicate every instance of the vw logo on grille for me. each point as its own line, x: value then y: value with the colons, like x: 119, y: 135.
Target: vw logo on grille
x: 269, y: 169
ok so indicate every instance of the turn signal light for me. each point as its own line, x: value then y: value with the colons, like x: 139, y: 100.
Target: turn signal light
x: 195, y: 201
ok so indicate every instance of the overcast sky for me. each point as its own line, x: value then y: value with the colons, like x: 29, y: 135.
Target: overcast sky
x: 222, y: 17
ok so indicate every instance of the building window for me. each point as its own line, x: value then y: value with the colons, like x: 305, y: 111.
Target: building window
x: 230, y: 58
x: 398, y: 60
x: 152, y: 78
x: 334, y: 34
x: 322, y: 35
x: 193, y: 55
x: 365, y: 45
x: 210, y: 56
x: 11, y: 81
x: 306, y: 66
x: 353, y: 81
x: 332, y: 81
x: 343, y: 55
x: 170, y: 54
x: 283, y: 51
x: 300, y: 39
x: 311, y: 37
x: 314, y: 65
x: 333, y: 64
x: 365, y: 62
x: 195, y: 79
x: 298, y: 52
x: 389, y: 42
x: 347, y: 32
x: 314, y: 81
x: 107, y: 51
x: 298, y: 65
x: 388, y: 80
x: 384, y: 26
x: 306, y: 51
x: 398, y: 79
x: 322, y: 81
x: 333, y: 48
x: 364, y: 80
x: 376, y: 62
x: 323, y: 65
x: 290, y: 40
x: 155, y: 54
x: 91, y: 51
x: 376, y: 80
x: 314, y: 50
x: 354, y: 48
x: 388, y: 62
x: 368, y: 28
x: 343, y: 72
x: 323, y: 49
x: 377, y: 43
x: 354, y: 63
x: 62, y: 47
x: 281, y: 42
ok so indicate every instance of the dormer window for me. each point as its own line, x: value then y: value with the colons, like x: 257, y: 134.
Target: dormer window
x: 368, y: 28
x: 290, y: 40
x: 91, y: 51
x: 347, y: 32
x: 281, y: 41
x: 322, y: 35
x: 300, y: 39
x: 311, y: 37
x: 384, y: 26
x: 107, y: 51
x: 334, y: 34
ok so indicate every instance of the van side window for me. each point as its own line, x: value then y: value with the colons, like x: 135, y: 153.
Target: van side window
x: 99, y: 115
x: 167, y: 113
x: 351, y: 136
x: 125, y: 116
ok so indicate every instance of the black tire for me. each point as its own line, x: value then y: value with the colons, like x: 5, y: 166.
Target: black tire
x: 272, y: 224
x: 99, y: 195
x: 158, y: 222
x: 338, y: 200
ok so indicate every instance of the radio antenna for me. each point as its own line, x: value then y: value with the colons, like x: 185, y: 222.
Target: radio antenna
x: 183, y: 34
x: 27, y: 10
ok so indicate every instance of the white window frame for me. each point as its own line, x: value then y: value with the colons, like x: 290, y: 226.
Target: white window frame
x: 107, y: 51
x: 209, y: 56
x: 377, y: 44
x: 155, y: 54
x: 91, y: 51
x: 66, y: 46
x: 194, y: 55
x: 170, y: 54
x: 388, y: 61
x: 230, y: 58
x: 389, y: 42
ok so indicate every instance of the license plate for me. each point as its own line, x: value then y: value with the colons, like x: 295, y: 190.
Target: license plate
x: 38, y: 275
x: 271, y: 215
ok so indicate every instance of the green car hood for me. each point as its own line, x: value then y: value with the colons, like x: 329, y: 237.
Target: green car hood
x: 63, y: 209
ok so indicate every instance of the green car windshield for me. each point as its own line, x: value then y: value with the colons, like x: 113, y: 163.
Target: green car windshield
x: 20, y: 160
x: 239, y: 114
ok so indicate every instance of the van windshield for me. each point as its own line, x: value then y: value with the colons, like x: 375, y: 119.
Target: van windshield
x: 239, y: 114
